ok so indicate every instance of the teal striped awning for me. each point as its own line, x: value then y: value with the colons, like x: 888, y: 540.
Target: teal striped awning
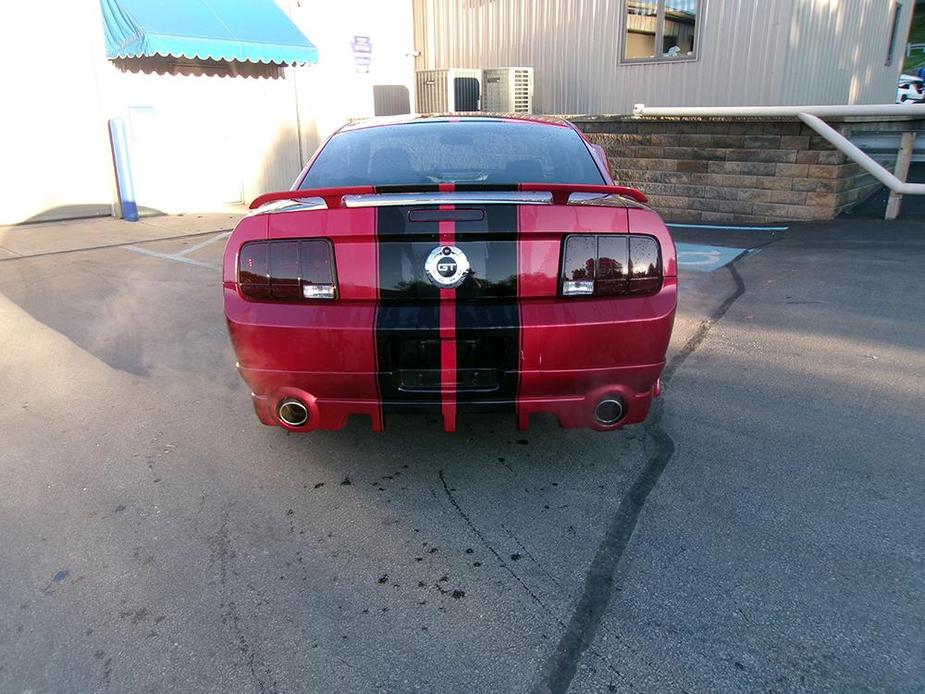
x: 255, y: 31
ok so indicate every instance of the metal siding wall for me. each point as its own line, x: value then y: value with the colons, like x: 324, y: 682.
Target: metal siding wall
x: 843, y: 58
x: 767, y: 52
x: 876, y: 81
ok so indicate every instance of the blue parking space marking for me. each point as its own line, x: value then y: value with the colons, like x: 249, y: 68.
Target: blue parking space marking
x: 702, y: 258
x: 721, y: 227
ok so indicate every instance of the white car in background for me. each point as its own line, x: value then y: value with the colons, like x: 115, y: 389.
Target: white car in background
x: 910, y: 90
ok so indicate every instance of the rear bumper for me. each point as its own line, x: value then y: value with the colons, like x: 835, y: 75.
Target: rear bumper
x: 573, y: 396
x: 567, y: 357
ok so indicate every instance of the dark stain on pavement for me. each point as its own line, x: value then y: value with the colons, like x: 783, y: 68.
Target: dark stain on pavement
x: 137, y: 616
x: 559, y: 670
x: 57, y: 578
x: 223, y: 554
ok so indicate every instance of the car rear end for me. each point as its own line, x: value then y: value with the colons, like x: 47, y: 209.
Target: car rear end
x: 562, y: 301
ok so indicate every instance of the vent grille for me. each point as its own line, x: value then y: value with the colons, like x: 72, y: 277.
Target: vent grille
x: 446, y: 90
x: 508, y: 89
x: 522, y: 92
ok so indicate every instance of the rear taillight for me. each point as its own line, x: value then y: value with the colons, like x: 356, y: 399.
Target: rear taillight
x: 289, y: 270
x: 610, y: 265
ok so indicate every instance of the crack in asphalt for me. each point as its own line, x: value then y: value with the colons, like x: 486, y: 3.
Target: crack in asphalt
x: 490, y: 548
x: 485, y: 543
x: 562, y: 664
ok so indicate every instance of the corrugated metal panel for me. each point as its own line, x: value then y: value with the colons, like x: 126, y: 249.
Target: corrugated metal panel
x: 837, y: 51
x: 778, y: 52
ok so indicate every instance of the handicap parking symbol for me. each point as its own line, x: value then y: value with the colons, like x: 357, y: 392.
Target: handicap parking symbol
x: 701, y: 258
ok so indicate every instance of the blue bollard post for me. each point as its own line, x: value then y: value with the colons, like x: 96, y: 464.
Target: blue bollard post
x: 123, y: 170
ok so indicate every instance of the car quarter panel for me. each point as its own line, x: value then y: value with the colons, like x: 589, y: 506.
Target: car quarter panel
x: 323, y: 350
x: 576, y: 350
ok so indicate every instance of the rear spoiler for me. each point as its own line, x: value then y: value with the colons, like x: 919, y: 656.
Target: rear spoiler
x: 334, y: 197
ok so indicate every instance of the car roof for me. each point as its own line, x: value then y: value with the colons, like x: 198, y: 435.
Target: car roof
x: 479, y: 117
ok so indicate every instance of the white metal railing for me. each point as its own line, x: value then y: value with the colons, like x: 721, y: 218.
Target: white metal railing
x: 914, y: 47
x: 812, y: 116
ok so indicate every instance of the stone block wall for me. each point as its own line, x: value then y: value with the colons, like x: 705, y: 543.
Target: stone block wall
x: 733, y: 171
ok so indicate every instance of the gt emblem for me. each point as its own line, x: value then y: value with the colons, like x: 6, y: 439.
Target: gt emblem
x: 447, y: 267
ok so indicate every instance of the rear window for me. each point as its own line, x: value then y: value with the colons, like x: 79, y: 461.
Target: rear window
x: 453, y: 152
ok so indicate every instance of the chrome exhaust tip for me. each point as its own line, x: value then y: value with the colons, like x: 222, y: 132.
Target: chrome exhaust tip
x: 292, y: 412
x: 609, y: 411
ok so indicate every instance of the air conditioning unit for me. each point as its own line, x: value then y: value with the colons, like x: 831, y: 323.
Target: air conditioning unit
x: 507, y: 89
x: 453, y: 89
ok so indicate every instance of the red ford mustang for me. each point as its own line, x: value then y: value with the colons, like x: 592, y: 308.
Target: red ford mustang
x: 452, y: 265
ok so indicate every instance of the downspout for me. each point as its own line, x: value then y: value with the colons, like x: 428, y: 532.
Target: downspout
x: 298, y: 115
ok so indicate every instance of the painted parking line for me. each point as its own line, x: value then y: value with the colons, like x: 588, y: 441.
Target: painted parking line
x: 203, y: 244
x: 167, y: 256
x: 180, y: 256
x: 701, y: 258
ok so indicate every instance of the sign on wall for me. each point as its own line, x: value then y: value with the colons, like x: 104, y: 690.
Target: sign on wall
x: 362, y: 54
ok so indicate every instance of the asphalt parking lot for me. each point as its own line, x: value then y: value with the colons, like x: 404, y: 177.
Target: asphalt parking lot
x: 765, y: 530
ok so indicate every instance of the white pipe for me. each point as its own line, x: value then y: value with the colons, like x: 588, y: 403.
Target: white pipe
x: 849, y: 149
x: 780, y: 111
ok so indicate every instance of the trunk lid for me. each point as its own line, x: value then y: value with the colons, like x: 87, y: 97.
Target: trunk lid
x: 511, y: 245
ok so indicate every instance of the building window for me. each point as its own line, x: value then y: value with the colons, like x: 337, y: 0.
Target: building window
x: 894, y: 33
x: 660, y: 30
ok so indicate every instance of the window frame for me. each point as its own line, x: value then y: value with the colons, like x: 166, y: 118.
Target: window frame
x: 659, y: 36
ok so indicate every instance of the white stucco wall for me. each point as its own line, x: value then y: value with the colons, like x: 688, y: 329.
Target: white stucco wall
x: 197, y: 142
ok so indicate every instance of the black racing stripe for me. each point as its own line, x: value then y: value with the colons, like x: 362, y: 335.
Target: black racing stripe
x: 487, y: 313
x: 408, y: 315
